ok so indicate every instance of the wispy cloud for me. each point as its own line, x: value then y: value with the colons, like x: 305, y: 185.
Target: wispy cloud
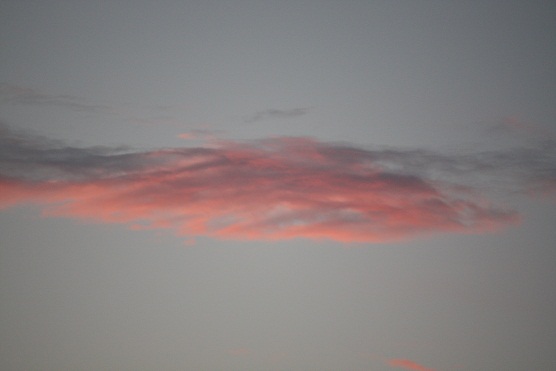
x: 513, y: 125
x: 239, y: 352
x: 206, y: 135
x: 277, y: 114
x: 152, y: 115
x: 407, y: 365
x: 16, y: 94
x: 270, y: 189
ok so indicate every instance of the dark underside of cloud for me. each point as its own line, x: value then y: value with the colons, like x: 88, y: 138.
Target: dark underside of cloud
x: 278, y: 188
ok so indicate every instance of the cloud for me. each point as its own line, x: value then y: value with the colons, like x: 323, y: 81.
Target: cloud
x: 271, y: 189
x: 515, y: 126
x: 239, y: 352
x: 408, y: 365
x: 16, y: 94
x: 200, y: 134
x: 277, y: 114
x: 20, y: 95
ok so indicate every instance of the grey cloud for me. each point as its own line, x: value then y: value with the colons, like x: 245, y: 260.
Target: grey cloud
x: 19, y: 95
x: 34, y: 157
x: 515, y: 169
x: 277, y: 114
x: 15, y: 94
x: 30, y: 157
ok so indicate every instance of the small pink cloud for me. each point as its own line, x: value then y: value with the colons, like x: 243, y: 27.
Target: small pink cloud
x: 200, y: 134
x: 239, y: 352
x: 408, y: 365
x: 545, y: 189
x: 517, y: 126
x: 186, y: 136
x: 514, y: 123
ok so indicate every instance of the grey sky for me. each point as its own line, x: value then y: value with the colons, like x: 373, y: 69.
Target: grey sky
x: 245, y: 120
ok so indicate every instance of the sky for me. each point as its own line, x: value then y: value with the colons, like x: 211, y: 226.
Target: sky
x: 277, y: 185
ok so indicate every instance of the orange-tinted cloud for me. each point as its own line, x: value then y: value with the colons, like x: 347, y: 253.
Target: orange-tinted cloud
x: 408, y: 365
x: 273, y: 189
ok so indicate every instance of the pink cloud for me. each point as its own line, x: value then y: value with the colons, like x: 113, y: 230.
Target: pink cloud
x: 545, y: 188
x: 517, y: 126
x: 275, y: 189
x: 239, y: 352
x: 200, y: 134
x: 186, y: 136
x: 408, y: 365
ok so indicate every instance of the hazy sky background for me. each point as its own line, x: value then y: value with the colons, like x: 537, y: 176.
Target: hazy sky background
x: 277, y: 185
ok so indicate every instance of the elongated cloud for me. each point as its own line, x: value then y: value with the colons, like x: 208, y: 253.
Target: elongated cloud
x: 16, y: 94
x: 27, y: 96
x: 408, y: 365
x: 512, y: 125
x: 278, y: 188
x: 272, y: 113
